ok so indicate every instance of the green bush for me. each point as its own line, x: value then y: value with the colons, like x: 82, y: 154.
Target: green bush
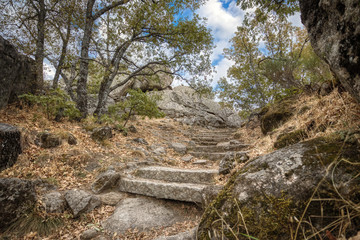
x: 137, y: 103
x: 55, y: 104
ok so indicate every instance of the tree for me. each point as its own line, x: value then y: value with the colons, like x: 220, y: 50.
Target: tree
x: 263, y: 72
x: 152, y: 42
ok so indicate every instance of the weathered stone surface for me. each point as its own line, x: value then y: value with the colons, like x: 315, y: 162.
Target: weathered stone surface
x: 187, y: 158
x: 215, y: 156
x: 111, y: 198
x: 101, y: 133
x: 141, y: 141
x: 283, y: 182
x: 80, y: 201
x: 17, y: 74
x: 204, y: 176
x: 105, y: 181
x: 221, y: 148
x: 178, y: 147
x: 189, y: 235
x: 142, y: 214
x: 54, y: 202
x: 185, y: 105
x: 48, y: 140
x: 10, y: 146
x: 16, y: 198
x: 187, y: 192
x: 334, y: 31
x: 89, y: 234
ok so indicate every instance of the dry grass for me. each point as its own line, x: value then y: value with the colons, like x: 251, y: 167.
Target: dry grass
x: 335, y: 112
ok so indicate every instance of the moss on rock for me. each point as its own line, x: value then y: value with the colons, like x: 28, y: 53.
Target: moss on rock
x: 290, y: 138
x: 266, y: 199
x: 277, y: 114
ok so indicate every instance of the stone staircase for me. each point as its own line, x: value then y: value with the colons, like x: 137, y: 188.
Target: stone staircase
x: 189, y: 185
x: 186, y: 185
x: 215, y: 145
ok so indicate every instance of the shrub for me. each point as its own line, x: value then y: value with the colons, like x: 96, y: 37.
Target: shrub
x: 55, y: 104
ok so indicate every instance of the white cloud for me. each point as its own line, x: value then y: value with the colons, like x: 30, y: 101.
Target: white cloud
x: 296, y: 20
x: 223, y: 23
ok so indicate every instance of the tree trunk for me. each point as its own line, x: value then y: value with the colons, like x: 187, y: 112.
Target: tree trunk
x: 63, y: 54
x: 103, y: 95
x: 39, y: 54
x: 84, y: 61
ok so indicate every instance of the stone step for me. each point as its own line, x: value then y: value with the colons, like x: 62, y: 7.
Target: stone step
x: 214, y: 156
x: 215, y: 149
x: 187, y: 192
x: 211, y: 135
x: 198, y: 176
x: 216, y: 139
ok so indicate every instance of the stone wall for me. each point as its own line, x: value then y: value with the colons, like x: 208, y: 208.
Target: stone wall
x: 17, y: 73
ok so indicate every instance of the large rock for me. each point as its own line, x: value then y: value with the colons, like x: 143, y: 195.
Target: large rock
x: 158, y: 81
x: 185, y: 105
x: 272, y: 192
x: 17, y: 197
x: 17, y: 74
x: 10, y: 145
x: 48, y: 140
x: 334, y: 30
x: 143, y: 214
x: 105, y: 181
x: 81, y: 201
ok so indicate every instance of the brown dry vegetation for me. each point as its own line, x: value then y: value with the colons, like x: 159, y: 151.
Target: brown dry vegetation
x: 335, y: 112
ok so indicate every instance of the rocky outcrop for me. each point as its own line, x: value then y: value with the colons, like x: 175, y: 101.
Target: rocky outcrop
x: 17, y: 74
x: 143, y: 214
x: 17, y: 197
x: 334, y: 30
x: 159, y: 81
x: 185, y: 105
x: 273, y: 191
x: 10, y: 145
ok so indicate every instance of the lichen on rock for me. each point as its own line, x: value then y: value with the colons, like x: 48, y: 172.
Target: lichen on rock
x: 271, y: 191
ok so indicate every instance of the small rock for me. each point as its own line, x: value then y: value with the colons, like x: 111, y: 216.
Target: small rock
x: 226, y: 164
x: 234, y: 142
x: 200, y: 162
x: 111, y: 198
x: 80, y: 201
x: 178, y: 147
x: 132, y: 129
x: 102, y: 133
x: 71, y: 139
x: 89, y: 234
x: 54, y: 202
x: 223, y: 144
x: 48, y: 140
x: 141, y: 141
x: 159, y: 151
x: 105, y: 181
x: 187, y: 158
x: 10, y: 146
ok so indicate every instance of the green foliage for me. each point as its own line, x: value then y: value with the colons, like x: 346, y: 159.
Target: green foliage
x: 137, y: 103
x: 272, y: 60
x: 55, y: 104
x: 282, y: 8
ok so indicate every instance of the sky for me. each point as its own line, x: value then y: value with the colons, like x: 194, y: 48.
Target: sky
x: 223, y: 18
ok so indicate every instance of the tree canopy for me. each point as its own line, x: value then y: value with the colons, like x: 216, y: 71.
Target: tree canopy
x: 123, y: 40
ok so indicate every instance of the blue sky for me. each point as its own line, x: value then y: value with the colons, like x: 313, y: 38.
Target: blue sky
x: 223, y: 18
